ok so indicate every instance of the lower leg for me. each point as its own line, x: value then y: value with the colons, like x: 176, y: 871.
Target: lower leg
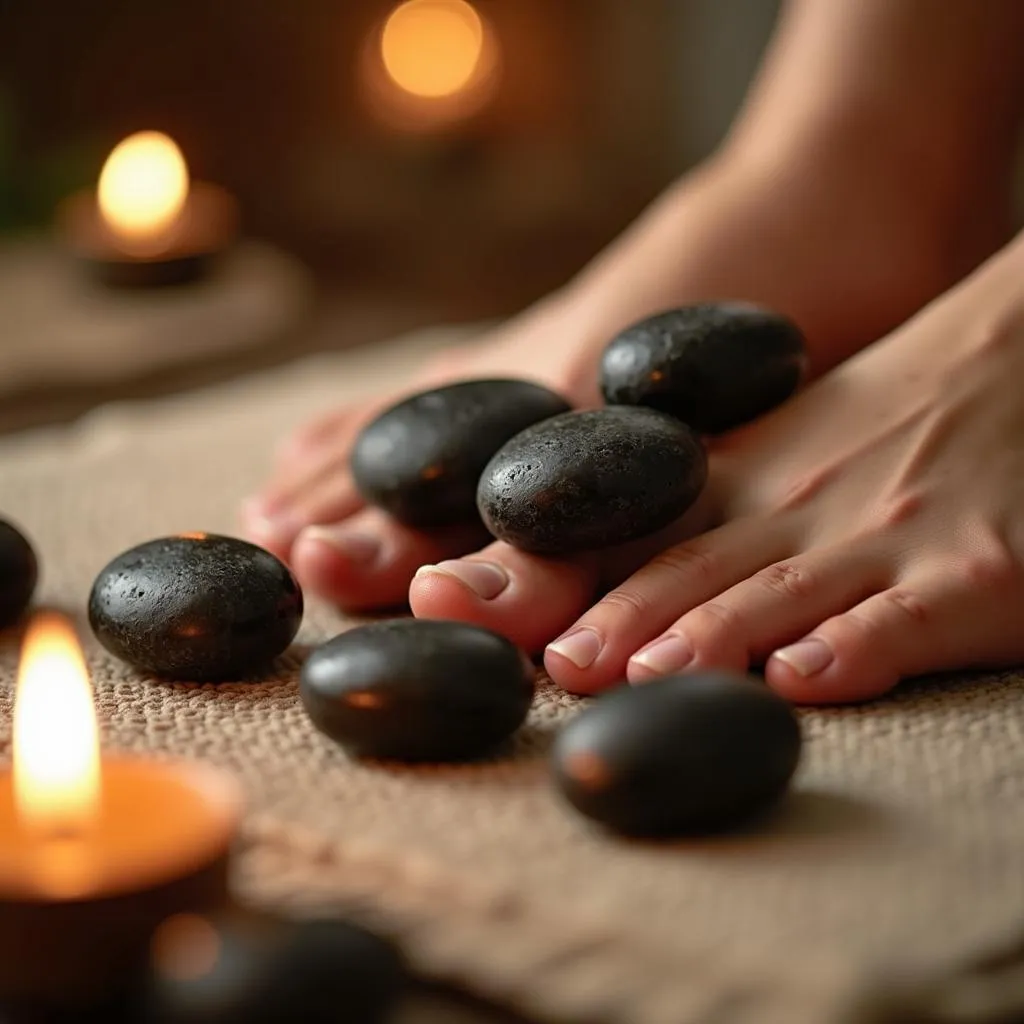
x: 834, y: 201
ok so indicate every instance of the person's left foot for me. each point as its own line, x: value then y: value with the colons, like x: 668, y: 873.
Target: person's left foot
x: 872, y: 528
x: 816, y: 234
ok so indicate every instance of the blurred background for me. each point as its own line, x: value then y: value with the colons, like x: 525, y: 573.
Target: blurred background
x: 430, y: 161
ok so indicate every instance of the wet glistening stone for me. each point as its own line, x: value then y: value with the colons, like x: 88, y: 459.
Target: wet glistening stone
x: 678, y: 755
x: 418, y: 690
x: 587, y: 480
x: 421, y: 459
x: 19, y: 573
x: 714, y: 366
x: 196, y: 607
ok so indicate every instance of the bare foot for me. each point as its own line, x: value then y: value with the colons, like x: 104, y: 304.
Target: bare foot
x: 873, y: 529
x: 847, y: 255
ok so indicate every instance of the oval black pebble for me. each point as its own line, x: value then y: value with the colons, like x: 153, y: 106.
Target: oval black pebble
x: 242, y: 969
x: 417, y: 690
x: 196, y: 607
x: 714, y: 366
x: 19, y: 572
x: 421, y: 459
x: 681, y: 754
x: 588, y: 480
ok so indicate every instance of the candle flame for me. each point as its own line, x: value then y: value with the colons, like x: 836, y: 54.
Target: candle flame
x: 432, y: 48
x: 56, y: 738
x: 143, y: 188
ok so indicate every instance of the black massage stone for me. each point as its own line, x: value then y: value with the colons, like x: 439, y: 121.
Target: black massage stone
x: 196, y: 607
x: 243, y: 968
x: 418, y: 690
x: 19, y: 572
x: 588, y: 480
x: 421, y: 459
x: 714, y: 366
x: 679, y: 755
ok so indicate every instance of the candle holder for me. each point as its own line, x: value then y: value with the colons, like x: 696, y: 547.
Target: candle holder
x: 186, y: 252
x: 77, y: 914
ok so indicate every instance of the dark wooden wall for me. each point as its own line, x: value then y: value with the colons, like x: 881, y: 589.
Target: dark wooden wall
x: 263, y: 96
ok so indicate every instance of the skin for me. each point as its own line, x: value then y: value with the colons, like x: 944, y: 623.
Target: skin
x: 892, y: 535
x: 843, y: 516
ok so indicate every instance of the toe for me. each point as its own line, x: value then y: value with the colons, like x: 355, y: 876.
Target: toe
x: 311, y: 487
x: 923, y: 624
x: 525, y: 598
x: 593, y: 654
x: 330, y: 498
x: 367, y: 560
x: 303, y: 442
x: 275, y: 532
x: 776, y: 605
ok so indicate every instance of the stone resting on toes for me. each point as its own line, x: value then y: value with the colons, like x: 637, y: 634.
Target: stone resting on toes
x: 867, y: 529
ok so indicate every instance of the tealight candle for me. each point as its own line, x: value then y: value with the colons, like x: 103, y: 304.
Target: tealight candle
x: 147, y: 224
x: 94, y: 852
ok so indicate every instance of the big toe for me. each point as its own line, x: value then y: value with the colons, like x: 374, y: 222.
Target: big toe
x: 276, y: 517
x: 523, y: 597
x: 305, y: 441
x: 532, y: 600
x: 367, y: 560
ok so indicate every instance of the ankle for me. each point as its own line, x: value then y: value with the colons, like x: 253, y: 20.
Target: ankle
x: 893, y: 224
x: 934, y: 181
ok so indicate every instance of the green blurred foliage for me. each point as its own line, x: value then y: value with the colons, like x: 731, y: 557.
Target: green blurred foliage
x: 32, y: 186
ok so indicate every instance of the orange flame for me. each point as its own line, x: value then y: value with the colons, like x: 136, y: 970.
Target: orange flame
x: 56, y: 738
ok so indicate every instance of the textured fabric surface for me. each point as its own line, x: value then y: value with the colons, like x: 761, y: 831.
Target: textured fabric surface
x: 68, y: 345
x: 901, y: 845
x: 62, y: 330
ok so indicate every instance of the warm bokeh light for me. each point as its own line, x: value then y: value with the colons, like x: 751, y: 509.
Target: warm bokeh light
x: 143, y: 187
x: 185, y: 947
x: 56, y: 739
x: 432, y: 48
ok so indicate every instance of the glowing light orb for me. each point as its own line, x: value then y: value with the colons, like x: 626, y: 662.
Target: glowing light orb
x: 432, y: 48
x: 143, y: 187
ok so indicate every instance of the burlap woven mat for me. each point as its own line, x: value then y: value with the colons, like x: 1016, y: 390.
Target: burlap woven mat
x: 902, y: 846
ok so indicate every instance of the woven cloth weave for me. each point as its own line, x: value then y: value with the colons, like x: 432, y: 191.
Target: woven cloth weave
x: 902, y: 845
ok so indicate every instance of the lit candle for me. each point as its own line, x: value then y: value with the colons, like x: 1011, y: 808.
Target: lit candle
x: 94, y: 852
x: 147, y: 224
x: 142, y: 192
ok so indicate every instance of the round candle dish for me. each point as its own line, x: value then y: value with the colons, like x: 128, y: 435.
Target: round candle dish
x: 205, y: 229
x: 77, y: 912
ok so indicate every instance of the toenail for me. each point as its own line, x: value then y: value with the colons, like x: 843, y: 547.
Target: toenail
x: 256, y: 508
x: 808, y: 657
x: 273, y: 527
x: 486, y: 579
x: 580, y: 646
x: 256, y: 513
x: 358, y: 548
x: 667, y: 654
